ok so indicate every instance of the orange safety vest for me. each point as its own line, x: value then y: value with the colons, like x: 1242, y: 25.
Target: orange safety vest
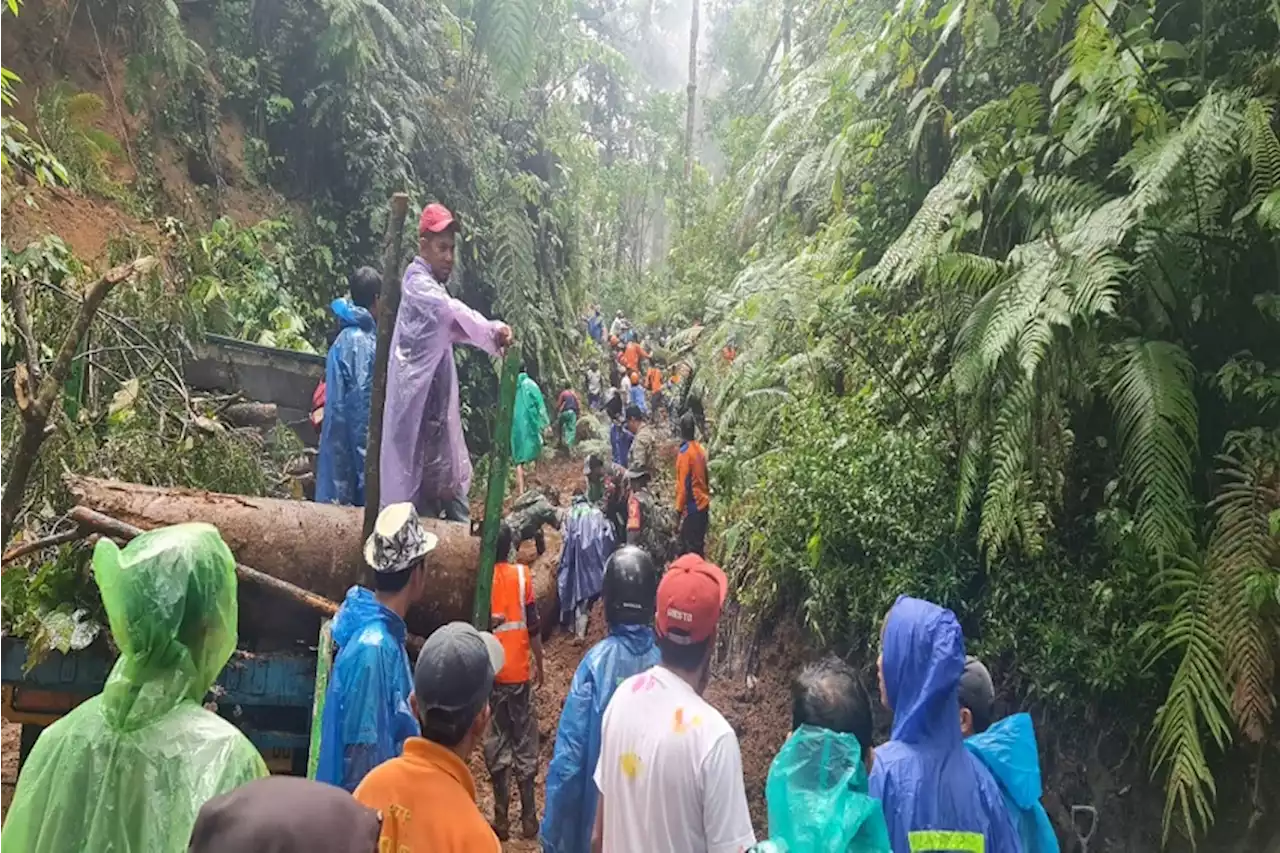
x: 512, y: 593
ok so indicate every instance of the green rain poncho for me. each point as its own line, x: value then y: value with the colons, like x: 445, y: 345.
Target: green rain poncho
x: 128, y: 770
x: 529, y: 421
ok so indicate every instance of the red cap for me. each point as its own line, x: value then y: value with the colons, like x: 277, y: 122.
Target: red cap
x: 689, y: 600
x: 435, y: 218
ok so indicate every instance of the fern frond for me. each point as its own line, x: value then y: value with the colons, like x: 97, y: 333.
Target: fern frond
x: 1157, y: 427
x: 918, y: 244
x: 506, y: 31
x: 1197, y: 696
x: 1263, y: 149
x: 1008, y: 482
x: 1241, y: 547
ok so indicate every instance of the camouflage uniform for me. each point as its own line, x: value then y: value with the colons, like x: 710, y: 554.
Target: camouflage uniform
x: 651, y: 524
x: 644, y: 451
x: 528, y: 513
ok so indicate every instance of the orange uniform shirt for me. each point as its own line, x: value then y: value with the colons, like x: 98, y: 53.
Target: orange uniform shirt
x: 427, y: 799
x: 510, y: 608
x: 691, y: 477
x: 631, y: 356
x: 653, y: 379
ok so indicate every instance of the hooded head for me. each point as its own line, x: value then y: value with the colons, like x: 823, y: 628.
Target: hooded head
x: 921, y: 663
x: 170, y: 597
x: 351, y: 314
x: 817, y: 794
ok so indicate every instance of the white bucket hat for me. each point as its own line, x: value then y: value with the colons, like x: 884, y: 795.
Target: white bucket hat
x: 397, y: 540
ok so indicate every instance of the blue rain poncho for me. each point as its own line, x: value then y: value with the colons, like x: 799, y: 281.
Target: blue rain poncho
x: 528, y: 422
x: 587, y: 544
x: 348, y: 379
x: 817, y: 796
x: 571, y: 794
x: 637, y: 398
x: 128, y: 770
x: 936, y: 794
x: 620, y: 439
x: 1008, y: 749
x: 366, y: 710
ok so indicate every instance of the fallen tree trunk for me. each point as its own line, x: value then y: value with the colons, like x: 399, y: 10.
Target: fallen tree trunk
x: 318, y: 547
x: 262, y: 415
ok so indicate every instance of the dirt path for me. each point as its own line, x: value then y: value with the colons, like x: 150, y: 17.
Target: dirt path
x: 761, y: 714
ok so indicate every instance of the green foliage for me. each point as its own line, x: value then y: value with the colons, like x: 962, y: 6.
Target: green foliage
x: 240, y: 279
x: 67, y: 123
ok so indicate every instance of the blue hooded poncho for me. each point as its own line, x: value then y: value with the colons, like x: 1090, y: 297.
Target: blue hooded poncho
x: 571, y: 794
x: 587, y: 544
x: 348, y: 379
x: 1008, y: 749
x: 366, y: 712
x: 936, y: 795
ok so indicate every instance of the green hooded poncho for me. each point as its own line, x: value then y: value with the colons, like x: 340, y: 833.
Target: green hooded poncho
x: 817, y: 797
x: 529, y: 421
x: 128, y: 770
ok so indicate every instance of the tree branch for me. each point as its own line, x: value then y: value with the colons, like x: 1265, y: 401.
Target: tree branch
x: 23, y: 319
x: 22, y: 457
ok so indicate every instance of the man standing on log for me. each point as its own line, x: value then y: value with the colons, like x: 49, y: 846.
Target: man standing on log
x: 348, y: 380
x: 366, y: 713
x: 424, y: 456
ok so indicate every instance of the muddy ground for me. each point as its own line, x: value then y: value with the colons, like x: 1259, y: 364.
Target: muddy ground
x: 761, y: 715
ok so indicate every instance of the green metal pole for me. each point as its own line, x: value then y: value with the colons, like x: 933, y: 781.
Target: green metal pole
x: 499, y: 465
x: 324, y: 663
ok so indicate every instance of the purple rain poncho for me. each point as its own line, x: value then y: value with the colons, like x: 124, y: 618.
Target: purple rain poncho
x: 424, y: 455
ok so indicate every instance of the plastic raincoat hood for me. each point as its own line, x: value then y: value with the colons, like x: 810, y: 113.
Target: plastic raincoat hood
x: 366, y: 712
x: 571, y: 794
x: 424, y: 455
x: 817, y: 796
x: 1008, y: 749
x: 348, y: 377
x: 129, y: 769
x: 927, y: 781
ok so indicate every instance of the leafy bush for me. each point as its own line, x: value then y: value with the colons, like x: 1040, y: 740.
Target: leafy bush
x: 843, y: 515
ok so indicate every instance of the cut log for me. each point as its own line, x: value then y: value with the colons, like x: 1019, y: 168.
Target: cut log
x: 315, y: 546
x: 262, y: 415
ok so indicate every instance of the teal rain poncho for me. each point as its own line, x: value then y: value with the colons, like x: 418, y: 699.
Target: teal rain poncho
x: 817, y: 796
x: 128, y: 770
x: 529, y: 421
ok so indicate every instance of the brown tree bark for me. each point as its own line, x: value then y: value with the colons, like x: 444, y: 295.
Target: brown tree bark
x: 318, y: 547
x: 251, y: 414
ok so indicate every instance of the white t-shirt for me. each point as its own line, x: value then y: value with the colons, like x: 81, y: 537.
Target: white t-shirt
x: 670, y: 772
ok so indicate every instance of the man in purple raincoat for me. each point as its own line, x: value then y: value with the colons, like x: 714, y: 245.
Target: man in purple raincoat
x: 424, y: 455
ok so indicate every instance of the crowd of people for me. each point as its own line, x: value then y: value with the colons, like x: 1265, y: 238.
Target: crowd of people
x: 642, y: 760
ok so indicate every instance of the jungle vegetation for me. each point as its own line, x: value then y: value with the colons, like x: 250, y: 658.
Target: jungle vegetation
x: 1000, y: 282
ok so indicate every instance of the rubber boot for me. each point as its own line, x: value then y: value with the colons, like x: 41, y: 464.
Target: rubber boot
x: 501, y: 805
x: 528, y: 810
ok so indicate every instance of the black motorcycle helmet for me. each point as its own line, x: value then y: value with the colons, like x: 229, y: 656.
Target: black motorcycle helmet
x: 630, y: 587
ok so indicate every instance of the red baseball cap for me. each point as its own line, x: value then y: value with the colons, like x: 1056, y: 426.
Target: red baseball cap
x: 690, y: 597
x: 435, y: 218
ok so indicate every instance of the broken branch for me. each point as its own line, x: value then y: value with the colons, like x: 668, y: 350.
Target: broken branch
x: 23, y: 457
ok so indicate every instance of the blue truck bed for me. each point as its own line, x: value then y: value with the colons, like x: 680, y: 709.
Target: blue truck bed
x: 269, y: 696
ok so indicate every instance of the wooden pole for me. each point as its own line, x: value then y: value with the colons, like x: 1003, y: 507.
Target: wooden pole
x: 388, y: 308
x: 499, y: 464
